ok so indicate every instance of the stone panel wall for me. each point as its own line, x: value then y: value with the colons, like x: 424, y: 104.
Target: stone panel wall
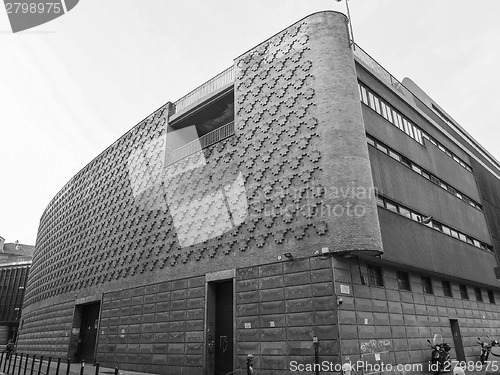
x: 47, y: 330
x: 280, y: 307
x: 158, y: 328
x: 396, y: 324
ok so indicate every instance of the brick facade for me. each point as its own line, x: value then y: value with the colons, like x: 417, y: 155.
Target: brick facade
x: 147, y: 238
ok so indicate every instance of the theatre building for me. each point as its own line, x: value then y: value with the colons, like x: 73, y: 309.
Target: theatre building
x: 303, y: 201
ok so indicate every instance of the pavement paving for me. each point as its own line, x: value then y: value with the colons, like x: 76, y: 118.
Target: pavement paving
x: 90, y: 369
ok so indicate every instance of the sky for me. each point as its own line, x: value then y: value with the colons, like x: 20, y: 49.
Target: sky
x: 71, y: 87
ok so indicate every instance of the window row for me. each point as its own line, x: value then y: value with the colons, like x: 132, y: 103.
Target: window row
x: 394, y: 117
x: 421, y: 171
x: 430, y: 222
x: 376, y: 278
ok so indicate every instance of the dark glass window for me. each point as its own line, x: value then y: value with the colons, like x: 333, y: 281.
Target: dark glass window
x: 463, y: 291
x: 479, y: 295
x: 447, y: 288
x: 491, y: 296
x: 403, y: 280
x: 427, y: 285
x: 375, y: 275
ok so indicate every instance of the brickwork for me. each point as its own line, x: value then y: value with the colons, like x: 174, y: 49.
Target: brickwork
x: 142, y: 232
x: 129, y: 216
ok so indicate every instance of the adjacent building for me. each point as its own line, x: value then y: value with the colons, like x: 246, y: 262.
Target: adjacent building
x: 303, y: 206
x: 15, y: 262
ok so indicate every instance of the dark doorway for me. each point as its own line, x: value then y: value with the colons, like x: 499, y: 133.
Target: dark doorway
x: 88, y: 332
x: 457, y: 340
x: 220, y: 328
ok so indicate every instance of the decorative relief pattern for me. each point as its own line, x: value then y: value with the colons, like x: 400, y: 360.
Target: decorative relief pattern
x: 118, y: 217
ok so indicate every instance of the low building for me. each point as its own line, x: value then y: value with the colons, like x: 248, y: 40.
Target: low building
x: 15, y: 262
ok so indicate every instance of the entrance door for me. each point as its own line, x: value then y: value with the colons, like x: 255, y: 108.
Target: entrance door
x: 88, y: 332
x: 457, y: 340
x: 220, y: 328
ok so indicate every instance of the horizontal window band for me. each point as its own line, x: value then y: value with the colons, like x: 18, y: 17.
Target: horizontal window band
x: 421, y: 171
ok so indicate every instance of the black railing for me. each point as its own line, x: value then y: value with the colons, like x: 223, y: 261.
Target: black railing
x: 13, y: 363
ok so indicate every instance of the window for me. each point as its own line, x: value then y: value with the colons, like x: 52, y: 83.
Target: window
x: 447, y: 288
x: 418, y: 135
x: 380, y: 202
x: 404, y: 212
x: 403, y: 280
x: 391, y: 207
x: 479, y: 295
x: 491, y: 296
x: 437, y: 226
x: 370, y: 141
x: 375, y: 275
x: 377, y: 105
x: 389, y: 115
x: 406, y: 161
x: 382, y: 148
x: 416, y: 217
x: 435, y: 180
x: 427, y: 285
x: 463, y: 291
x: 384, y: 109
x: 372, y: 100
x: 416, y: 169
x: 399, y: 121
x: 364, y: 96
x: 394, y: 155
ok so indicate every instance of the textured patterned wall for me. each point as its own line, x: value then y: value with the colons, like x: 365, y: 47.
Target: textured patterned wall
x: 129, y: 218
x: 127, y: 213
x: 93, y: 232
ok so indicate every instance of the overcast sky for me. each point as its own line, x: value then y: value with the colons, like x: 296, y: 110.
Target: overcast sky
x: 71, y: 87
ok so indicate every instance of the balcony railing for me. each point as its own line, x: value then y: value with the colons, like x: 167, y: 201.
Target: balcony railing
x: 220, y: 80
x: 378, y: 69
x: 207, y: 140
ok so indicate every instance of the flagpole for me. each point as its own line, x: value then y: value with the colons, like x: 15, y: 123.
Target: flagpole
x: 350, y: 23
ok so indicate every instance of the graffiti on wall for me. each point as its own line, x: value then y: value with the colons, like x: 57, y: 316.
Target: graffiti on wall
x: 372, y: 346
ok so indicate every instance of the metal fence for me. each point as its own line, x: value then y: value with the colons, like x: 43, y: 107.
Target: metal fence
x: 209, y: 139
x: 26, y: 364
